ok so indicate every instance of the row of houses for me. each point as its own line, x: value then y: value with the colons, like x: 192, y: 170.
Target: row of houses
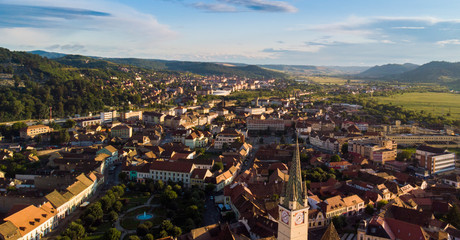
x: 34, y: 222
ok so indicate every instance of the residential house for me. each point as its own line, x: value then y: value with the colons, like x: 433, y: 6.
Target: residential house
x: 228, y: 136
x: 122, y: 131
x: 112, y: 153
x: 33, y: 131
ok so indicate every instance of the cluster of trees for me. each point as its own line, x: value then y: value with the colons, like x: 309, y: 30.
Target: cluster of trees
x: 41, y: 83
x: 18, y: 164
x: 183, y: 206
x: 107, y: 208
x: 186, y: 205
x: 405, y: 155
x: 321, y: 174
x: 453, y: 216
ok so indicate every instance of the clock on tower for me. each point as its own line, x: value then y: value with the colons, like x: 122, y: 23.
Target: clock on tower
x: 293, y: 218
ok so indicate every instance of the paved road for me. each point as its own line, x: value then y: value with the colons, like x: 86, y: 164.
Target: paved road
x: 211, y: 214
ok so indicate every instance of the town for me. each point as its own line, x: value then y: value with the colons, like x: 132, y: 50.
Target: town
x: 218, y: 158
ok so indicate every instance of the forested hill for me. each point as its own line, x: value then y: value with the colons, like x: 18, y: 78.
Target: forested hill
x: 443, y: 73
x: 387, y: 70
x: 437, y: 72
x: 30, y: 84
x: 202, y: 68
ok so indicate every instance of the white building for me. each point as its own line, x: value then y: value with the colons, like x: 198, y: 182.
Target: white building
x: 108, y: 116
x: 228, y: 136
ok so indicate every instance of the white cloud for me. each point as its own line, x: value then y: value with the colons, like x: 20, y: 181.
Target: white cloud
x: 263, y: 5
x: 386, y: 41
x: 448, y: 42
x: 415, y: 28
x: 214, y: 7
x: 119, y: 26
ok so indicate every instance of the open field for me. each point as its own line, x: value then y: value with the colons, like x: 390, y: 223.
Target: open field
x: 332, y: 80
x: 430, y: 102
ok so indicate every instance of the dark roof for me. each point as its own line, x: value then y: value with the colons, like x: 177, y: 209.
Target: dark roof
x: 410, y: 215
x: 431, y: 149
x: 185, y: 167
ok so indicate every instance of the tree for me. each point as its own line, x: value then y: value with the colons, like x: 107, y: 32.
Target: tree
x: 210, y: 187
x: 167, y: 225
x: 112, y: 234
x: 113, y: 216
x: 369, y: 209
x: 134, y: 237
x: 70, y: 123
x: 163, y: 234
x: 167, y: 198
x: 142, y: 230
x: 339, y: 221
x: 159, y: 185
x: 217, y: 166
x: 74, y: 231
x: 335, y: 158
x: 344, y: 148
x: 453, y: 216
x: 149, y: 236
x: 117, y: 206
x: 176, y: 231
x: 404, y: 155
x: 96, y: 210
x: 381, y: 203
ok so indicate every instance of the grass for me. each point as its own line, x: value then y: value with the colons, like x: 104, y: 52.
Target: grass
x: 104, y: 227
x: 438, y: 104
x: 135, y: 200
x: 94, y: 237
x: 332, y: 80
x: 130, y: 223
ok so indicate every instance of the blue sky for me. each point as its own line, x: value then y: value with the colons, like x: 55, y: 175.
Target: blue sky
x: 304, y: 32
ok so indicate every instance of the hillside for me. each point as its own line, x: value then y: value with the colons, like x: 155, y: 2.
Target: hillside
x: 30, y: 85
x: 387, y: 70
x: 310, y: 70
x: 434, y: 72
x: 50, y: 55
x: 202, y: 68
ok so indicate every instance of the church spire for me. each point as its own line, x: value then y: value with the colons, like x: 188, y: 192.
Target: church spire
x: 294, y: 197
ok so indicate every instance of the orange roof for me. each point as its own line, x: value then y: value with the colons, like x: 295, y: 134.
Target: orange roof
x: 31, y: 217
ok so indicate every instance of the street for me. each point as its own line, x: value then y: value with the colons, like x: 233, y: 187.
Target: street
x: 211, y: 214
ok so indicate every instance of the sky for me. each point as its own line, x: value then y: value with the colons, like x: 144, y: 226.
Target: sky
x: 295, y: 32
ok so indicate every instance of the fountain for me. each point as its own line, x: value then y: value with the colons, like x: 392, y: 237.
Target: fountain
x: 145, y: 216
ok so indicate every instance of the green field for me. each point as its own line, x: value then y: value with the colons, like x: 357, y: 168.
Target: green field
x: 332, y: 80
x: 430, y: 102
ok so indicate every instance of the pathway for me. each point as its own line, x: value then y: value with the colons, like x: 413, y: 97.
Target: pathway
x: 123, y: 231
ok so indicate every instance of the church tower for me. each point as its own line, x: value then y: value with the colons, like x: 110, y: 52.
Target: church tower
x: 293, y: 206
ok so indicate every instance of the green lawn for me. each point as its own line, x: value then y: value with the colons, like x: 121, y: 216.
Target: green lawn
x: 94, y: 237
x: 430, y: 102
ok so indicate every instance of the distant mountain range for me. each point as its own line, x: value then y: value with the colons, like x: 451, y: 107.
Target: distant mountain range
x: 387, y: 70
x: 316, y: 70
x: 443, y: 73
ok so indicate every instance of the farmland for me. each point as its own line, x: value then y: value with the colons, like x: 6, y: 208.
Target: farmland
x: 439, y: 104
